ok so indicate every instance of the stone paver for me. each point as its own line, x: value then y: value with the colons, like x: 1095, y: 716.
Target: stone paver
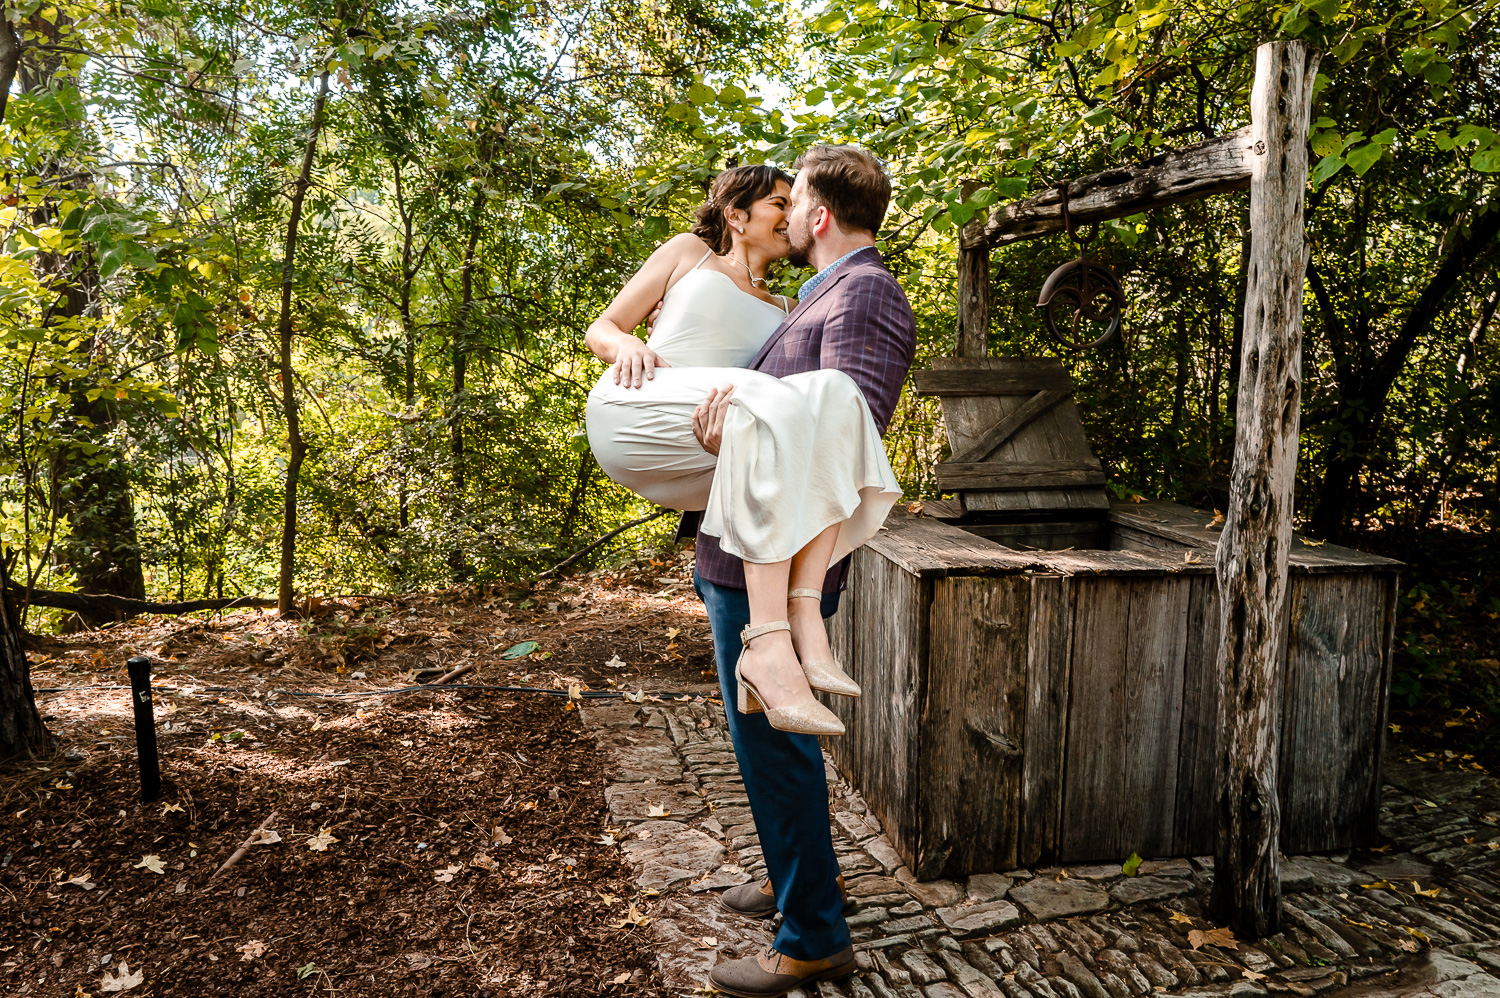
x: 1356, y: 927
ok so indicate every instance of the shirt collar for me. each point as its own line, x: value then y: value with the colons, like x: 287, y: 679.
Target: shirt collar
x: 811, y: 284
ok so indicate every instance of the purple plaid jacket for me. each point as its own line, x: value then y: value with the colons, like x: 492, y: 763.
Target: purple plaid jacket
x: 857, y: 320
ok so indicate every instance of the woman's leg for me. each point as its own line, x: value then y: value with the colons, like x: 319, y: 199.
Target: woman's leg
x: 770, y: 662
x: 808, y: 569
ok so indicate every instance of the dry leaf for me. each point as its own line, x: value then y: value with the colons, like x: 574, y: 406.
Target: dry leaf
x: 265, y: 837
x: 445, y: 875
x: 708, y: 942
x: 616, y: 662
x: 606, y: 839
x: 1251, y: 975
x: 621, y: 978
x: 1418, y: 888
x: 1178, y: 916
x: 1313, y: 544
x: 152, y: 863
x: 123, y: 981
x: 82, y: 880
x: 321, y: 841
x: 1220, y: 937
x: 633, y: 918
x: 250, y: 949
x: 1409, y: 945
x: 1217, y: 521
x: 575, y: 691
x: 608, y: 899
x: 1382, y: 885
x: 483, y: 861
x: 167, y: 809
x: 672, y: 632
x: 500, y: 838
x: 656, y: 811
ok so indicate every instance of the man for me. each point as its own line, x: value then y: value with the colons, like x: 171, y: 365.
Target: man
x: 852, y: 316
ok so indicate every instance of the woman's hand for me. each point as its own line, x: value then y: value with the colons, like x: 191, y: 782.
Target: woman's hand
x: 635, y: 361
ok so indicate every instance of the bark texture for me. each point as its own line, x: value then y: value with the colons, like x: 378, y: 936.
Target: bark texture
x: 297, y: 447
x: 1254, y: 546
x: 21, y: 728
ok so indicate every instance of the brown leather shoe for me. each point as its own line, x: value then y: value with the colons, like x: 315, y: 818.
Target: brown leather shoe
x: 771, y: 974
x: 759, y: 900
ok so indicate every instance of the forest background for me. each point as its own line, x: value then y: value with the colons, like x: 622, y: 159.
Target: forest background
x: 293, y: 296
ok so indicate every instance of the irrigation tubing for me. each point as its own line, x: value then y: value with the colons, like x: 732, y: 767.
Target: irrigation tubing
x: 425, y: 687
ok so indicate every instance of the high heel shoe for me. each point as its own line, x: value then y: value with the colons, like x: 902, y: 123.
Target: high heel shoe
x: 808, y: 718
x: 826, y: 676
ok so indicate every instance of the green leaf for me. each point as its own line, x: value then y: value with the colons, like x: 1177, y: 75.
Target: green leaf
x: 701, y: 95
x: 1131, y: 865
x: 1326, y: 168
x: 520, y: 650
x: 1328, y: 143
x: 1486, y: 161
x: 1360, y: 160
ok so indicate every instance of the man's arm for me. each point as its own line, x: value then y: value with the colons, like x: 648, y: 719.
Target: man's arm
x: 870, y: 335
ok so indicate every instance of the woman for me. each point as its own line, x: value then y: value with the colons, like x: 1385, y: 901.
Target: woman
x: 801, y: 477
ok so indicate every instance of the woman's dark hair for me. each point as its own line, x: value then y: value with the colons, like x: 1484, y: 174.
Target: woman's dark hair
x: 737, y: 187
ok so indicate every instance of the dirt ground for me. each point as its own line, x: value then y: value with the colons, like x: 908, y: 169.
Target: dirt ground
x: 443, y: 844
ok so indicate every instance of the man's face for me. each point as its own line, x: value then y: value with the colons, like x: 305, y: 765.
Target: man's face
x: 800, y: 211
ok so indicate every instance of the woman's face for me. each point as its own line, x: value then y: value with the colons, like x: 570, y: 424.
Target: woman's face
x: 765, y: 229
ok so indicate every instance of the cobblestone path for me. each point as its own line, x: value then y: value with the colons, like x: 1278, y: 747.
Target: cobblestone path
x: 1420, y: 920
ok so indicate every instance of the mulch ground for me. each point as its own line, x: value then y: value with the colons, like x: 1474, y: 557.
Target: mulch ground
x: 443, y: 844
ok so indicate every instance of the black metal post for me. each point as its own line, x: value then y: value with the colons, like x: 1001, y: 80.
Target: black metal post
x: 145, y: 727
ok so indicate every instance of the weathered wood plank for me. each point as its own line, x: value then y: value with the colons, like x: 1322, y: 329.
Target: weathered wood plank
x: 929, y: 548
x: 1214, y: 166
x: 1048, y: 655
x: 1093, y: 768
x: 1011, y: 477
x: 973, y: 337
x: 973, y: 726
x: 1007, y: 427
x: 1156, y: 644
x: 882, y: 747
x: 1253, y: 549
x: 1197, y: 743
x: 1075, y: 534
x: 1016, y: 381
x: 1333, y: 706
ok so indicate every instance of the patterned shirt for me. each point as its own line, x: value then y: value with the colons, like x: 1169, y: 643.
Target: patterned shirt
x: 811, y: 284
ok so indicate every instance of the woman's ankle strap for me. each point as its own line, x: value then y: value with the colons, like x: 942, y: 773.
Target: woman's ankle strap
x: 808, y: 593
x: 749, y: 634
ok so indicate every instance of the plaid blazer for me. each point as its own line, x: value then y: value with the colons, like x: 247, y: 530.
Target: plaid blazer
x: 859, y: 321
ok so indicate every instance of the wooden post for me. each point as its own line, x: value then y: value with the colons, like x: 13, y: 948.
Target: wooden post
x: 973, y: 338
x: 1252, y: 551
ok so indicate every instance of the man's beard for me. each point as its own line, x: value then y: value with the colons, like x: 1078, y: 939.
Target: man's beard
x: 802, y: 245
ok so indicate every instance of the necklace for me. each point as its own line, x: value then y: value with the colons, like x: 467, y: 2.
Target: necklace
x: 764, y: 282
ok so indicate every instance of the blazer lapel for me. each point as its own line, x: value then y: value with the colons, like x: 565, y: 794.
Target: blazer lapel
x: 796, y: 313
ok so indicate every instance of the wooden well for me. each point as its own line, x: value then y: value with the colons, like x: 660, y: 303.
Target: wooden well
x: 1040, y: 666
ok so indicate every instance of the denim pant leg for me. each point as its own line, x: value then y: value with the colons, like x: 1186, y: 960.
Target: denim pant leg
x: 788, y: 791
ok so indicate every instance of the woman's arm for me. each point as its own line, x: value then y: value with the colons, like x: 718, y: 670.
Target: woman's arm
x: 610, y: 337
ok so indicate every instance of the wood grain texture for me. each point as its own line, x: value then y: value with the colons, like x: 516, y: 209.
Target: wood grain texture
x: 973, y: 334
x: 1017, y: 477
x: 1257, y: 537
x: 1007, y: 427
x: 1333, y: 707
x: 1049, y: 652
x: 1093, y: 768
x: 882, y: 746
x: 1213, y: 166
x: 1198, y: 737
x: 973, y: 727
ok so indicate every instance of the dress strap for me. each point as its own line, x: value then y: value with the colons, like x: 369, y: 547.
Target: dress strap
x: 785, y: 306
x: 701, y: 259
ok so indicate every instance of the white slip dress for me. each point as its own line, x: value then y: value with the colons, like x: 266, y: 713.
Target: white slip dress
x: 799, y: 454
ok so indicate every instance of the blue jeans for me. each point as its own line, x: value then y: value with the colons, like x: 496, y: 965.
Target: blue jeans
x: 788, y: 791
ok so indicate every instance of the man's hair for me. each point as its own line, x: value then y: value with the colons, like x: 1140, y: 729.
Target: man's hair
x: 849, y: 182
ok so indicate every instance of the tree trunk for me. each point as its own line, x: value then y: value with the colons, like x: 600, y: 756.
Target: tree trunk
x: 296, y: 446
x: 10, y: 56
x: 1252, y: 552
x: 21, y: 728
x: 457, y: 562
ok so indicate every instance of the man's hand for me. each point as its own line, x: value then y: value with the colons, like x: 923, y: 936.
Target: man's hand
x: 634, y: 362
x: 708, y: 418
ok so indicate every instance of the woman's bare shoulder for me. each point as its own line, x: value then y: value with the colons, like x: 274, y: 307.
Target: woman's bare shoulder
x: 684, y: 245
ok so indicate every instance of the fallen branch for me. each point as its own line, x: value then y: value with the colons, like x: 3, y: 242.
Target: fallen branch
x: 448, y: 677
x: 97, y: 602
x: 244, y: 846
x: 570, y: 559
